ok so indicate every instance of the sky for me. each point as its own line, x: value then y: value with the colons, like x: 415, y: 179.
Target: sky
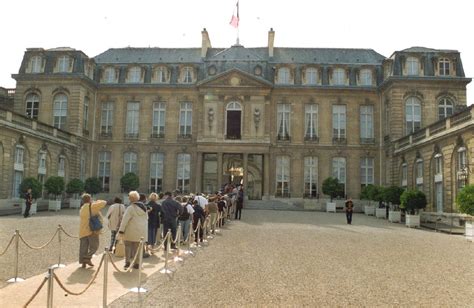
x: 95, y: 26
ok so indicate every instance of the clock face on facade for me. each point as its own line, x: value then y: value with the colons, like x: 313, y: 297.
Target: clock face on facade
x: 234, y: 81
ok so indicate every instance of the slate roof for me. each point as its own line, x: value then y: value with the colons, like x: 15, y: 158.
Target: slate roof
x: 149, y: 55
x: 424, y: 49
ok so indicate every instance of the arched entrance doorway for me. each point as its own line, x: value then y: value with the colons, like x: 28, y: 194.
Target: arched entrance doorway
x: 233, y: 120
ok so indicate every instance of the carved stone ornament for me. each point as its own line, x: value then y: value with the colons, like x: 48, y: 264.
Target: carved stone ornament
x: 210, y: 117
x: 256, y: 117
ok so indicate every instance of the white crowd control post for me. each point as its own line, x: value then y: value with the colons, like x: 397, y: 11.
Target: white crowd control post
x: 17, y: 243
x: 106, y: 278
x: 49, y: 303
x: 59, y: 265
x: 178, y: 245
x: 166, y: 270
x: 188, y: 244
x: 139, y: 289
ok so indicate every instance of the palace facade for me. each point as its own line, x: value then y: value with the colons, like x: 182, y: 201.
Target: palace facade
x: 277, y: 120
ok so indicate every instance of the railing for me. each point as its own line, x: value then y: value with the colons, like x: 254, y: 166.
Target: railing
x: 105, y: 135
x: 311, y: 138
x: 283, y: 138
x: 437, y: 127
x: 184, y: 136
x: 157, y: 135
x: 461, y: 117
x: 367, y: 140
x: 131, y: 136
x: 339, y: 140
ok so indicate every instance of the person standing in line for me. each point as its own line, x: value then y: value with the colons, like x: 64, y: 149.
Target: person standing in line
x: 170, y: 209
x: 154, y: 212
x: 88, y: 240
x: 185, y: 218
x: 212, y: 209
x: 28, y: 202
x: 240, y: 203
x: 349, y: 210
x: 134, y: 226
x: 115, y: 215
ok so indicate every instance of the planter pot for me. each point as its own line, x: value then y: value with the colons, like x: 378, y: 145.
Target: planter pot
x: 470, y: 231
x: 74, y: 203
x: 33, y: 209
x: 369, y: 210
x: 380, y: 213
x: 394, y: 216
x: 331, y: 207
x: 54, y: 205
x: 412, y: 221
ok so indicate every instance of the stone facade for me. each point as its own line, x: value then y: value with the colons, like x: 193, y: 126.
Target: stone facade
x: 278, y: 120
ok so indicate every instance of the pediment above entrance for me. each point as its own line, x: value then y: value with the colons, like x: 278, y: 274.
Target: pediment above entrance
x: 235, y: 78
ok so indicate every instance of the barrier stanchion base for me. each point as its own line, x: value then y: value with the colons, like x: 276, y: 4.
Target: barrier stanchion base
x: 13, y: 280
x: 58, y: 266
x: 166, y: 271
x: 138, y: 290
x: 210, y: 237
x: 178, y: 259
x: 188, y: 252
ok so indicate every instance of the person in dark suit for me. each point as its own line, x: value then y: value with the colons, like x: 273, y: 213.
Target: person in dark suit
x: 28, y: 202
x: 349, y: 209
x: 170, y: 211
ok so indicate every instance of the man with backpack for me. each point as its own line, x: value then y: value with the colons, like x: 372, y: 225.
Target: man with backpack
x: 185, y: 218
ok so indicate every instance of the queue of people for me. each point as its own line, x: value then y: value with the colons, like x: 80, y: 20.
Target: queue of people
x: 151, y: 219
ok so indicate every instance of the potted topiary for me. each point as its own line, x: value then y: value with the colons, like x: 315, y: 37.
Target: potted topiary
x: 465, y: 202
x: 391, y: 196
x: 380, y: 211
x: 368, y: 193
x: 54, y: 185
x: 75, y: 187
x: 333, y: 189
x: 412, y: 201
x: 92, y: 186
x: 129, y: 181
x: 36, y: 189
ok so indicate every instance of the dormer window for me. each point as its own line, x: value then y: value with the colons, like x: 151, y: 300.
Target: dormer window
x: 36, y: 63
x: 109, y: 75
x: 443, y: 67
x: 160, y: 75
x: 339, y: 77
x: 283, y: 75
x: 365, y: 77
x: 134, y: 74
x: 311, y: 76
x: 412, y: 66
x: 187, y: 74
x: 63, y: 64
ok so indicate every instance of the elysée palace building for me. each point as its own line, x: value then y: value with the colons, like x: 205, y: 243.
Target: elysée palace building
x: 278, y: 120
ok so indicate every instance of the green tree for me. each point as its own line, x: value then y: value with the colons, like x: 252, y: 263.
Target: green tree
x: 129, y: 182
x: 75, y: 186
x: 465, y: 200
x: 413, y: 200
x: 93, y: 185
x: 368, y: 193
x: 392, y: 194
x: 333, y: 188
x: 54, y: 185
x: 34, y: 184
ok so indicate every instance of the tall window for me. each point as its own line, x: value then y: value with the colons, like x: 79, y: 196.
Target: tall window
x: 104, y: 170
x: 283, y: 121
x: 443, y: 66
x: 32, y: 106
x: 187, y: 74
x: 82, y: 167
x: 156, y: 172
x: 339, y: 121
x: 130, y: 162
x: 36, y: 64
x: 283, y: 75
x: 438, y: 179
x: 367, y: 123
x: 134, y: 74
x: 18, y: 170
x: 445, y: 108
x: 366, y: 171
x: 63, y: 64
x: 311, y: 121
x: 184, y: 172
x: 404, y: 175
x: 133, y: 115
x: 106, y: 119
x: 412, y: 115
x: 158, y: 129
x: 311, y: 76
x: 86, y: 113
x: 185, y: 119
x: 109, y: 75
x: 61, y: 166
x: 310, y: 176
x: 365, y: 77
x: 438, y: 163
x: 283, y: 176
x: 412, y: 66
x: 339, y: 170
x: 462, y: 167
x: 233, y: 120
x: 419, y: 174
x: 60, y: 111
x: 338, y: 77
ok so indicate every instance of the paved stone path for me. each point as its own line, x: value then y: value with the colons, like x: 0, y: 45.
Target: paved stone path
x: 280, y: 258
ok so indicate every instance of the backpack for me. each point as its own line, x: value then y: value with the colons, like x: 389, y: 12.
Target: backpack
x: 185, y: 214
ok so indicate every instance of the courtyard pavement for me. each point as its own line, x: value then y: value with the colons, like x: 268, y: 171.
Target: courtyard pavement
x: 274, y: 258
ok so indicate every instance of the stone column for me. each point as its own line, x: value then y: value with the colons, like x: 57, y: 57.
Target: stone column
x: 266, y: 176
x: 198, y: 176
x: 219, y: 170
x: 246, y: 156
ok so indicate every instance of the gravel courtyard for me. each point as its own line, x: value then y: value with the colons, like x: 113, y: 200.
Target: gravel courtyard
x: 285, y: 258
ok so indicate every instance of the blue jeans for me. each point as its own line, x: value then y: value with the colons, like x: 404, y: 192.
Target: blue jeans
x: 185, y: 227
x: 152, y: 234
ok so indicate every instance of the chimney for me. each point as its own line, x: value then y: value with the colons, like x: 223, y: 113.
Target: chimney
x: 271, y: 40
x: 206, y: 43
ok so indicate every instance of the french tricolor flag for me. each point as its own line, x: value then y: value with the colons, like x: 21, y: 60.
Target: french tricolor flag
x: 234, y: 21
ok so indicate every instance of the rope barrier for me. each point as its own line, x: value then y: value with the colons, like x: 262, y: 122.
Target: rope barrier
x: 8, y: 246
x: 88, y: 285
x: 38, y: 247
x: 67, y: 234
x: 129, y: 269
x: 162, y: 245
x: 36, y: 292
